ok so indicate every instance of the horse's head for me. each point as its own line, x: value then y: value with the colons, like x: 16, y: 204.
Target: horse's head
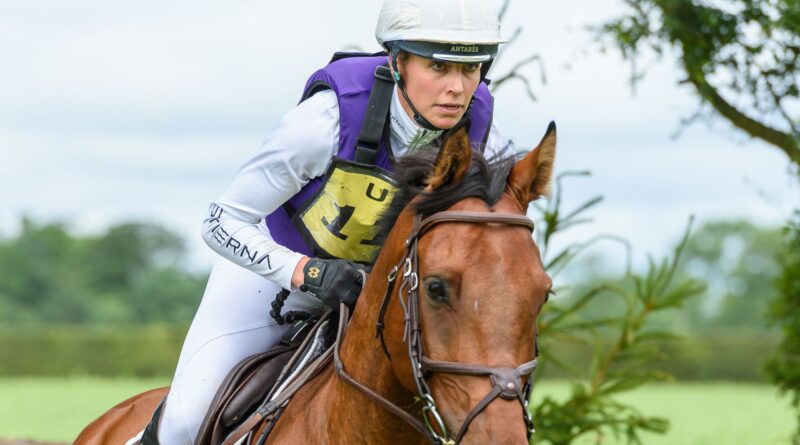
x: 481, y: 284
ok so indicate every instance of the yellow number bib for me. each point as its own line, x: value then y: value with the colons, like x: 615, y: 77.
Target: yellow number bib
x: 341, y: 219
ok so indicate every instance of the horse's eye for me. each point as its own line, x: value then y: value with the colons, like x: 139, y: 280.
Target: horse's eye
x: 436, y: 290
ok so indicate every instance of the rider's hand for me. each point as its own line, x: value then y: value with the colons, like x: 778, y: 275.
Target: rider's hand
x: 333, y: 281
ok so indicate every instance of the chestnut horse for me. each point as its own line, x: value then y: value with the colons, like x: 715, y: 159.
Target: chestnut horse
x: 468, y: 293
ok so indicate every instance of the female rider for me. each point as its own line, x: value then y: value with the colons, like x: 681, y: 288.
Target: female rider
x: 288, y: 220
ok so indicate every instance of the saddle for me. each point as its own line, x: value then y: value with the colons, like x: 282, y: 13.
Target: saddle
x: 257, y: 390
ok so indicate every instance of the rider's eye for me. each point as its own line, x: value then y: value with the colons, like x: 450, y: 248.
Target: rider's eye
x: 436, y: 290
x: 472, y: 67
x: 438, y: 66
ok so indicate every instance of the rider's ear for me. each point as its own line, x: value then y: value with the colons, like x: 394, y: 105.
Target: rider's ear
x: 453, y: 160
x: 531, y: 176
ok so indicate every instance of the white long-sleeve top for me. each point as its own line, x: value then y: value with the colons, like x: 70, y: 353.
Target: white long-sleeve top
x: 300, y: 149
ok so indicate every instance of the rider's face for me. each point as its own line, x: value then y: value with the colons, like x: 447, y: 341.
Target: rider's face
x: 440, y: 91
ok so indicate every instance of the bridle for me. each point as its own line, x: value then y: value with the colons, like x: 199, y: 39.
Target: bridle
x: 506, y: 381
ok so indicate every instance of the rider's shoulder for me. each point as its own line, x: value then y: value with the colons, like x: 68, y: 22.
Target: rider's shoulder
x: 322, y: 100
x: 348, y: 72
x: 355, y: 60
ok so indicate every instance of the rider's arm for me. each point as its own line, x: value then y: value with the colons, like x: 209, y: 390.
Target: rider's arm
x: 299, y: 149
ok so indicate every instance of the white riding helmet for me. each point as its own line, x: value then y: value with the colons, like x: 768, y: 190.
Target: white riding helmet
x: 466, y: 31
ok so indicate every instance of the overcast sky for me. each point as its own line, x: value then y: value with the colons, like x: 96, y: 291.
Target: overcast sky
x: 117, y: 110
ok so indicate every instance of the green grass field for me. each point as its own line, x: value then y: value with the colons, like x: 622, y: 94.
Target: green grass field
x: 700, y: 413
x: 705, y: 413
x: 56, y: 409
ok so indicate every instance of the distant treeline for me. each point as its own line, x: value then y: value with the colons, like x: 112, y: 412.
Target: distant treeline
x: 119, y: 302
x: 132, y: 273
x: 737, y: 261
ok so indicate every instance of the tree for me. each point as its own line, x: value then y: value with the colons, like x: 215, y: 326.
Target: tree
x: 34, y: 266
x: 741, y: 57
x: 625, y: 343
x: 739, y: 263
x: 120, y: 255
x: 131, y: 273
x: 784, y: 367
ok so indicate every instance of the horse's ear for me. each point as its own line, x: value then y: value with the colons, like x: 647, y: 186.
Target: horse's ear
x: 453, y: 160
x: 532, y: 175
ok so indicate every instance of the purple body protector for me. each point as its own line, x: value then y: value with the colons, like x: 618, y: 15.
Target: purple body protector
x: 351, y: 79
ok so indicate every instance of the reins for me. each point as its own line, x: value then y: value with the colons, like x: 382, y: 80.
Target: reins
x: 506, y: 381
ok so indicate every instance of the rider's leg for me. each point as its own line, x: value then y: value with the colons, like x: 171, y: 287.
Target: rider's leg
x: 231, y: 324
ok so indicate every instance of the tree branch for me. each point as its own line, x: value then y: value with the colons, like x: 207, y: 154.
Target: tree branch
x: 784, y: 141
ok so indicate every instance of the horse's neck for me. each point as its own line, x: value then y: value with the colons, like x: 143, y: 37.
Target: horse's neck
x: 364, y: 359
x: 328, y: 409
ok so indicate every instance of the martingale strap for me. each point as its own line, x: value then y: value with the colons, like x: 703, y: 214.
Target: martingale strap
x: 377, y: 398
x: 506, y: 382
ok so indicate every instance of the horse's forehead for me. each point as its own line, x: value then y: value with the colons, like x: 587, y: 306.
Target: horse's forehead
x: 506, y: 204
x: 484, y: 240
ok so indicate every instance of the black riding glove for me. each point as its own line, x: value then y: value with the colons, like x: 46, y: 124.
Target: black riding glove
x: 333, y: 281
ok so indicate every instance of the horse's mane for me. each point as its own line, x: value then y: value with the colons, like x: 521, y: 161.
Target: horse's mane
x: 485, y: 179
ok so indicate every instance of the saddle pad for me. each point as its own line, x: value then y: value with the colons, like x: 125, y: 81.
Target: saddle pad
x: 243, y: 389
x: 322, y: 341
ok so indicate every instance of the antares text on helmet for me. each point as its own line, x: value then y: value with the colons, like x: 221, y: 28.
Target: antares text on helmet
x: 464, y: 49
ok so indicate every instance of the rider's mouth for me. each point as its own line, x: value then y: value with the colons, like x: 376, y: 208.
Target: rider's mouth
x: 450, y: 108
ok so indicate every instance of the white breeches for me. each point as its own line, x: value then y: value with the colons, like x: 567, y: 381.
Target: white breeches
x: 232, y: 323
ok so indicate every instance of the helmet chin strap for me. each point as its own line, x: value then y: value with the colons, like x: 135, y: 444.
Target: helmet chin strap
x: 418, y: 117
